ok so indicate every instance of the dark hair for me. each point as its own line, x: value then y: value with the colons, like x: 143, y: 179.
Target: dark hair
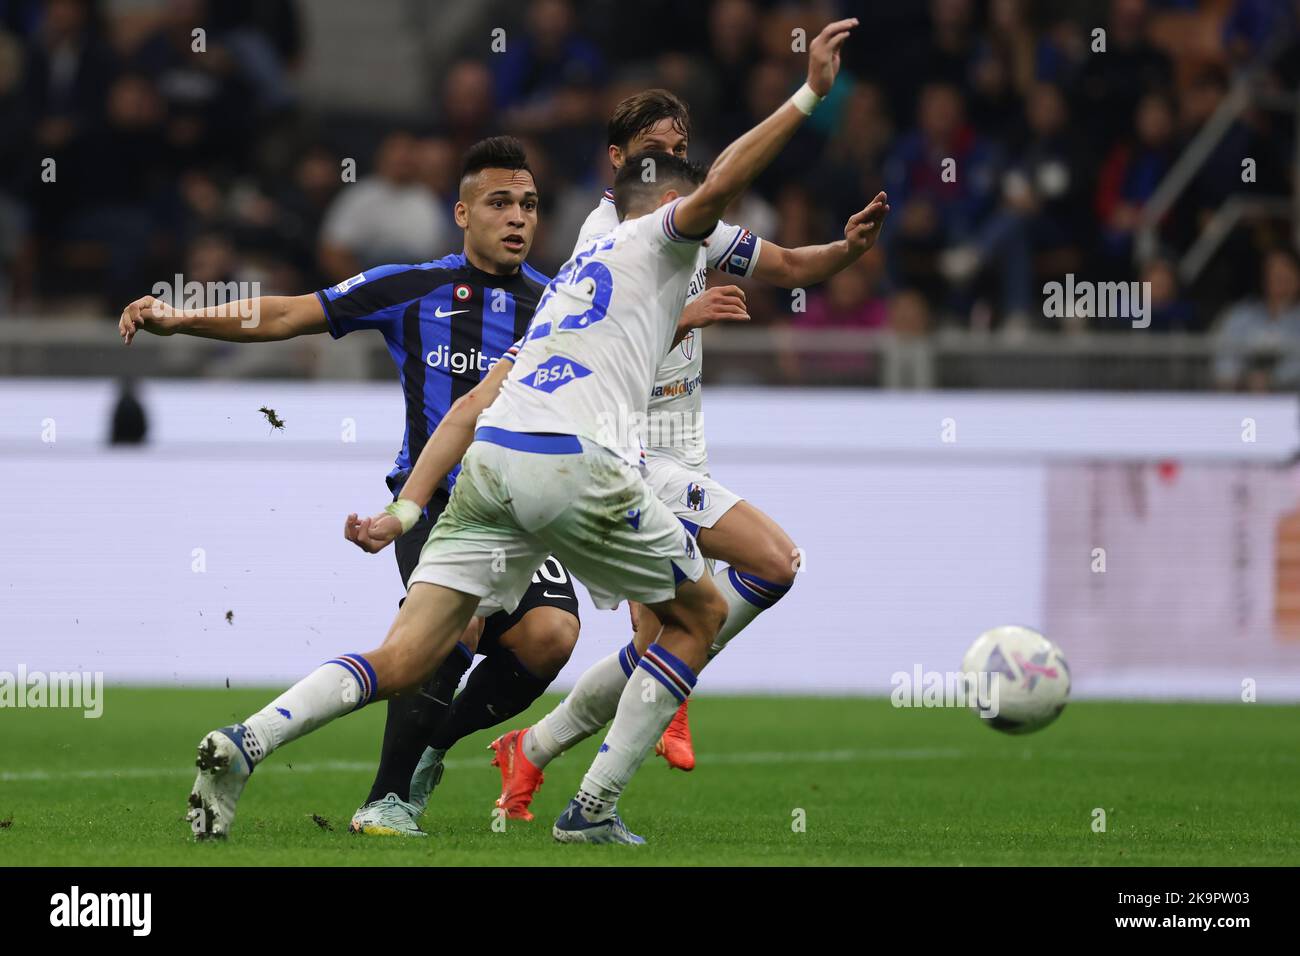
x: 495, y: 152
x: 631, y: 187
x: 639, y: 112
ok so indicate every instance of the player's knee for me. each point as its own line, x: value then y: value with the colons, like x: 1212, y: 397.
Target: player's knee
x: 706, y: 618
x: 397, y: 668
x: 546, y: 640
x: 409, y: 656
x: 701, y: 615
x: 776, y: 561
x: 556, y: 644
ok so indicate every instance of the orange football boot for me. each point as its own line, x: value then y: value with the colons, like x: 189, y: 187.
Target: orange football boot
x: 675, y: 745
x: 520, y: 780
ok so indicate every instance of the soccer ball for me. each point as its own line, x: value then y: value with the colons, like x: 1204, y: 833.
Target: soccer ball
x: 1027, y: 680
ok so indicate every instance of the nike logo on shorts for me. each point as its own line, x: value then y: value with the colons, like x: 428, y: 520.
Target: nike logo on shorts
x: 549, y: 594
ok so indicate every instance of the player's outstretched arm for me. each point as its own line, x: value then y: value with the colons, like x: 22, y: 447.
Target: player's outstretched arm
x: 738, y: 164
x: 444, y: 450
x: 267, y: 318
x: 808, y: 265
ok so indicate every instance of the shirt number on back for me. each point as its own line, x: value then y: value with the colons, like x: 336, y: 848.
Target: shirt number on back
x: 576, y: 271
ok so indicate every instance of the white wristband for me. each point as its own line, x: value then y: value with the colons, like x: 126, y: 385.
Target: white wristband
x: 805, y: 100
x: 405, y: 511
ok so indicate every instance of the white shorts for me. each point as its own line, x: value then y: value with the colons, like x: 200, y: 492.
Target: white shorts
x: 555, y: 494
x: 692, y: 495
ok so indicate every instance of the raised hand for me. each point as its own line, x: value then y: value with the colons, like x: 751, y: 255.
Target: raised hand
x: 863, y: 228
x: 824, y: 54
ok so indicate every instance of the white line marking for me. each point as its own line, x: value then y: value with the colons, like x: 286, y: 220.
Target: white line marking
x: 356, y: 766
x: 736, y: 759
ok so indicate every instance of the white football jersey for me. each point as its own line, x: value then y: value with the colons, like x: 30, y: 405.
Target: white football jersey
x: 675, y: 411
x: 599, y: 333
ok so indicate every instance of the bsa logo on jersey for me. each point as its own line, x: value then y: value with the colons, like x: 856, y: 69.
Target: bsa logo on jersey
x: 555, y: 372
x: 688, y: 344
x: 695, y: 497
x: 346, y: 284
x: 462, y: 293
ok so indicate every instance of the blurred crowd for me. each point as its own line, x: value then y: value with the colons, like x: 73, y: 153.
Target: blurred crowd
x: 1013, y: 149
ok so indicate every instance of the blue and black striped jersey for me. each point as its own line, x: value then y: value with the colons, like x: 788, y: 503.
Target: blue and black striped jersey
x: 446, y: 323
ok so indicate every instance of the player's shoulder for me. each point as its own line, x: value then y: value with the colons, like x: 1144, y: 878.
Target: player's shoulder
x: 662, y: 223
x: 656, y: 227
x: 422, y: 278
x: 619, y: 236
x: 600, y: 220
x: 451, y: 263
x: 652, y: 230
x: 532, y: 277
x: 455, y: 262
x: 398, y: 281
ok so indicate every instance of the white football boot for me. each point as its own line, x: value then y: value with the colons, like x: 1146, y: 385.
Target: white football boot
x: 225, y: 761
x: 391, y: 816
x: 574, y: 827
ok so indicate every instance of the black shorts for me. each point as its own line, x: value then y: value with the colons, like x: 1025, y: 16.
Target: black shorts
x: 552, y: 585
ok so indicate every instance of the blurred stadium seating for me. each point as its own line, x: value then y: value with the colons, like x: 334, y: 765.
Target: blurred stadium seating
x: 1115, y: 166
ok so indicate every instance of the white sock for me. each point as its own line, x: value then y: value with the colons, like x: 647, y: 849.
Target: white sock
x: 647, y: 704
x: 747, y: 597
x: 337, y: 687
x: 588, y: 707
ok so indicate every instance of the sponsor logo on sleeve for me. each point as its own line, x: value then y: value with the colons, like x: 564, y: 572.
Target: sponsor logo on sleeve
x: 346, y: 284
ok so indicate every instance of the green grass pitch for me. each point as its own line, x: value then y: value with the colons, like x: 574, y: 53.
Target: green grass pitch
x: 1205, y: 784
